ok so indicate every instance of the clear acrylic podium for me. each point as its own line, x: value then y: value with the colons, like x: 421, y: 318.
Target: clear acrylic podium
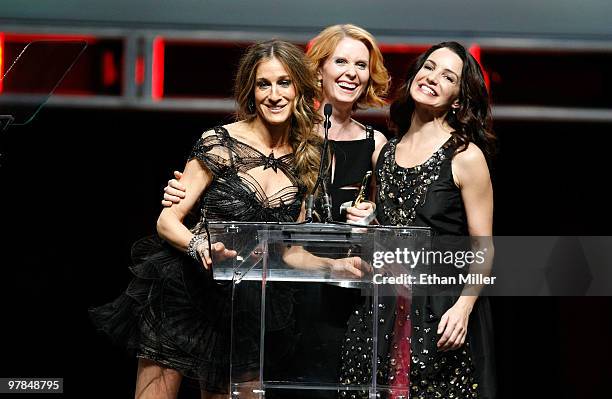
x: 290, y: 310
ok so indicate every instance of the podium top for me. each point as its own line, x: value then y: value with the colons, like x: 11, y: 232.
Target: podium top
x: 261, y: 248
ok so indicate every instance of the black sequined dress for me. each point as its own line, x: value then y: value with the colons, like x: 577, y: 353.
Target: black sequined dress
x: 426, y: 195
x: 173, y: 312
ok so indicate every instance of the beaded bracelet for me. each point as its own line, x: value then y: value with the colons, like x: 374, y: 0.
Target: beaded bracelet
x: 194, y: 243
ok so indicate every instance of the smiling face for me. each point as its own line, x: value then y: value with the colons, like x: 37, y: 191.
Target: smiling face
x: 345, y: 73
x: 274, y: 92
x: 437, y: 83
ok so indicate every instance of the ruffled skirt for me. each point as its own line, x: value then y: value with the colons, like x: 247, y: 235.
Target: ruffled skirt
x: 175, y: 314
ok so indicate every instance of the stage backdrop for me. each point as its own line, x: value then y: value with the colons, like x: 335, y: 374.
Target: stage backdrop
x: 588, y: 19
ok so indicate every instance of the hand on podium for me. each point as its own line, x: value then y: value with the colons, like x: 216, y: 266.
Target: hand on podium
x: 219, y: 253
x: 347, y: 267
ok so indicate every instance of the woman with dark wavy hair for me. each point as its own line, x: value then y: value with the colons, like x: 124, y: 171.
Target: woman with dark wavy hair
x: 435, y: 174
x: 469, y: 116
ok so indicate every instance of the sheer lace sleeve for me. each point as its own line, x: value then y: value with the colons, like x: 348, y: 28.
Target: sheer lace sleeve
x: 234, y: 194
x: 212, y: 151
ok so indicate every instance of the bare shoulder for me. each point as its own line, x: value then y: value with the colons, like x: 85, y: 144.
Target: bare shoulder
x: 379, y: 142
x: 471, y: 157
x: 469, y: 165
x: 379, y: 138
x: 240, y: 131
x: 235, y: 129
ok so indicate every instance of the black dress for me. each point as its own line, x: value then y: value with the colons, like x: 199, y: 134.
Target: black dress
x: 427, y: 196
x: 173, y: 312
x: 322, y: 309
x: 353, y: 158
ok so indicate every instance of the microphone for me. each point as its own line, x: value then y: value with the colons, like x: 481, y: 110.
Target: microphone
x: 327, y: 111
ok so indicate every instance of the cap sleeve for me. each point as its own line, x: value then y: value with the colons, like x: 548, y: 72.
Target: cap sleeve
x: 212, y: 151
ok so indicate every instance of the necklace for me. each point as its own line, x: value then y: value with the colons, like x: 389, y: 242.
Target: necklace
x: 402, y: 190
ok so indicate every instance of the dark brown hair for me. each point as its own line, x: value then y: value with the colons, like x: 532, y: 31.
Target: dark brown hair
x: 472, y: 122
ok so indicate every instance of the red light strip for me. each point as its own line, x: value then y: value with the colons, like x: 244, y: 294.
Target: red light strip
x: 109, y: 70
x: 475, y: 50
x: 139, y: 71
x: 157, y: 69
x: 1, y: 60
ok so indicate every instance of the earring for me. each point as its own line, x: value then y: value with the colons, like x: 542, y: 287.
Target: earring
x: 251, y: 106
x: 454, y: 111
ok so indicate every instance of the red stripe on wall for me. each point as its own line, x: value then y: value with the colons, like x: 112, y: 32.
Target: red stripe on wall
x: 157, y: 69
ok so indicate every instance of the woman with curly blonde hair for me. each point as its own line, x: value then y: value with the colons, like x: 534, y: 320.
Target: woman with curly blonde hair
x: 351, y: 76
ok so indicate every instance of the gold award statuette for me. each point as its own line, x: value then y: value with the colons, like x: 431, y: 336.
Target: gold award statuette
x: 363, y: 189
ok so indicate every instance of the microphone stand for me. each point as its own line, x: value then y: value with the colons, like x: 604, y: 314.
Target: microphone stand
x: 322, y: 178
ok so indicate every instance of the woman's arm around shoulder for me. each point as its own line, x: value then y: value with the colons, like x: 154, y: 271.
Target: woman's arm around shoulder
x: 195, y: 178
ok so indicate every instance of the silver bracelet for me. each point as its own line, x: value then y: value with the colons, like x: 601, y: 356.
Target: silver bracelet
x: 194, y: 243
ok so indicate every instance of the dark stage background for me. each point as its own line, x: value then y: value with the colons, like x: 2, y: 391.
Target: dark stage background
x: 80, y: 186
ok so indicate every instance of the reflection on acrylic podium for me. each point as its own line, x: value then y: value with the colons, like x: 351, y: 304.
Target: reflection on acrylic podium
x: 290, y: 314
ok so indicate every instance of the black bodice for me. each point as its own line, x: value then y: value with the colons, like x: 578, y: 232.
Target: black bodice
x: 234, y: 195
x: 353, y: 158
x: 424, y: 195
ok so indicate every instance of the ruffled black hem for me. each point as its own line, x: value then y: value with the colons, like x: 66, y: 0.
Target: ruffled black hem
x: 175, y: 314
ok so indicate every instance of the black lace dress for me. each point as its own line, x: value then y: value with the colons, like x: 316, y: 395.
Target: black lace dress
x: 427, y: 196
x: 173, y: 312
